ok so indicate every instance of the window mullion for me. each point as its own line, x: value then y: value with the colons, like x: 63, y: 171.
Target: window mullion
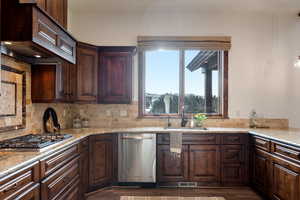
x: 181, y: 81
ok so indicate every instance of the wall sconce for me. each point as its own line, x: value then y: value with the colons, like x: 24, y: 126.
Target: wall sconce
x: 297, y: 63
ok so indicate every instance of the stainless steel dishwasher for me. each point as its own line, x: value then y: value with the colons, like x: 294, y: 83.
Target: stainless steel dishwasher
x: 137, y: 158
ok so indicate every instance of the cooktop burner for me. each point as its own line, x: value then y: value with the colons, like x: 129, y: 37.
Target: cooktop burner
x: 33, y: 141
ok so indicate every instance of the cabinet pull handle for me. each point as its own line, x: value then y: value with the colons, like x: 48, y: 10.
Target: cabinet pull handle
x: 14, y: 186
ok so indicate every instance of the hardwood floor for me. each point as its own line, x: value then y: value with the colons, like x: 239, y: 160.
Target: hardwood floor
x: 244, y: 193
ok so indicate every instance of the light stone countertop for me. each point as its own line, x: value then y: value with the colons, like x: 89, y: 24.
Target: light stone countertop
x: 12, y: 161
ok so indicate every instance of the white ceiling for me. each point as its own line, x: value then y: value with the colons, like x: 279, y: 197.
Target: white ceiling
x: 184, y: 5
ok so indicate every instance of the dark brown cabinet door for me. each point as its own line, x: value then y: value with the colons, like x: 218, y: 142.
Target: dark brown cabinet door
x: 233, y: 171
x: 43, y: 83
x: 53, y: 83
x: 101, y: 161
x: 205, y: 163
x: 87, y: 62
x: 58, y: 9
x: 115, y: 77
x: 260, y: 170
x: 233, y: 174
x: 84, y: 172
x: 285, y: 182
x: 171, y: 168
x: 68, y: 82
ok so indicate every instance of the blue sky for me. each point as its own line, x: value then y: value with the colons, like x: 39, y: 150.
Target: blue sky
x: 162, y: 73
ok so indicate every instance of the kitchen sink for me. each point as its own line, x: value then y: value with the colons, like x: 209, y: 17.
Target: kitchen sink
x: 187, y: 128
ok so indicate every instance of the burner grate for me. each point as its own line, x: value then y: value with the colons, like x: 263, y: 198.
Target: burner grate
x: 33, y: 141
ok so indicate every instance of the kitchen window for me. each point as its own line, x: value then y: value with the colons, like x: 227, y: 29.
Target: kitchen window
x: 183, y: 74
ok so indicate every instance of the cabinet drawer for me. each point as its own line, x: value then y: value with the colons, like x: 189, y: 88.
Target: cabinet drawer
x: 54, y: 162
x: 285, y: 151
x: 200, y: 139
x: 33, y: 193
x: 56, y: 184
x: 261, y: 143
x: 71, y: 192
x: 15, y: 183
x: 233, y: 154
x: 191, y: 139
x: 234, y: 139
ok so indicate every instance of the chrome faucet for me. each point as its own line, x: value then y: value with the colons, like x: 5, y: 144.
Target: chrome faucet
x: 183, y: 120
x: 168, y: 122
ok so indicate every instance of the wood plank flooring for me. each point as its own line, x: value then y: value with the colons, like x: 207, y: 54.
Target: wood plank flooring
x: 239, y: 193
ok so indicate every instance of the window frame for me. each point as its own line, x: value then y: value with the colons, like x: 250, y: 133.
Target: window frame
x: 141, y: 84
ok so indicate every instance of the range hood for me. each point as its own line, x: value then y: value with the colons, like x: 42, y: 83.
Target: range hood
x: 28, y: 31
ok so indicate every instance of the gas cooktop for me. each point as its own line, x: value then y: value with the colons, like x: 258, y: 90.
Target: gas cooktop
x: 33, y: 142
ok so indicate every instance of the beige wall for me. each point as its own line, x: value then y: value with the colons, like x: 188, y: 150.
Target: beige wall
x: 294, y: 81
x: 259, y: 60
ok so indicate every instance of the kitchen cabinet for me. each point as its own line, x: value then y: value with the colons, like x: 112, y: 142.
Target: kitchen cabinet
x: 275, y: 169
x: 171, y: 168
x: 84, y: 167
x: 204, y: 164
x: 33, y: 33
x: 101, y: 161
x: 53, y: 83
x: 23, y: 184
x: 60, y: 181
x: 260, y: 169
x: 44, y: 87
x: 285, y: 180
x: 60, y: 174
x: 115, y: 75
x: 87, y: 76
x: 68, y: 82
x: 207, y: 159
x: 234, y: 162
x: 58, y: 9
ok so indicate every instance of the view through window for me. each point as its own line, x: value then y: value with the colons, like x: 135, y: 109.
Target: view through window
x: 183, y: 80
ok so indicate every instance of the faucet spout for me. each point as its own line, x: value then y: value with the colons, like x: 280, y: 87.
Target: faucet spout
x: 184, y: 121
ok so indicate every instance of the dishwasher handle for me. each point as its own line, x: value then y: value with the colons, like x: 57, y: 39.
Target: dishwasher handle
x: 136, y: 138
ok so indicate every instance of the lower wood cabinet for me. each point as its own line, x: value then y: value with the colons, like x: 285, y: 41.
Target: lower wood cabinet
x: 60, y: 182
x: 84, y: 167
x: 208, y: 159
x: 23, y: 184
x: 260, y: 166
x: 101, y: 160
x: 171, y: 168
x: 275, y: 169
x: 285, y: 180
x: 204, y: 163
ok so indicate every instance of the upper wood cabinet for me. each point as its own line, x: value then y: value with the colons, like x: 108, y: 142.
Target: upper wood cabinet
x: 87, y: 68
x: 115, y: 75
x: 44, y: 88
x: 33, y: 33
x: 53, y: 83
x: 58, y: 9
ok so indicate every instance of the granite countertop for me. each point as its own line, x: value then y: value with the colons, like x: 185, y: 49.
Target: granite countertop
x: 11, y: 161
